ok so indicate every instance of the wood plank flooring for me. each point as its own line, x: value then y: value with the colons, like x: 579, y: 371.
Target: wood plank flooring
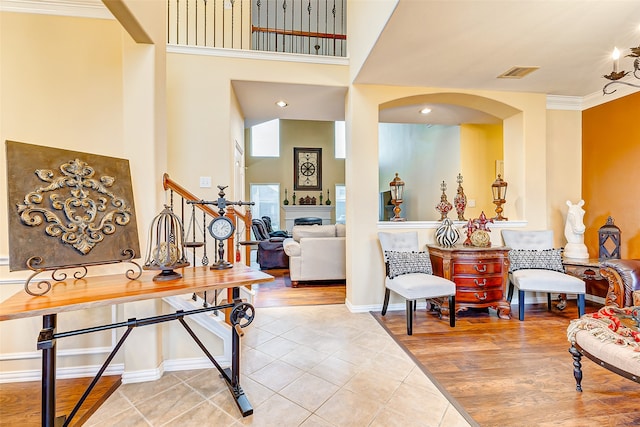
x: 20, y: 403
x: 279, y: 293
x: 512, y: 373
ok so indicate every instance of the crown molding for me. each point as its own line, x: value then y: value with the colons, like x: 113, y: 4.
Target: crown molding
x: 558, y: 102
x: 581, y: 103
x: 75, y: 8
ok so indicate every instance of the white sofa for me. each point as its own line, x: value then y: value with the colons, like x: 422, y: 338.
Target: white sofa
x: 316, y: 252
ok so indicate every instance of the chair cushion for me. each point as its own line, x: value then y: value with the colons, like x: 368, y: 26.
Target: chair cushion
x: 527, y: 259
x: 403, y: 262
x: 419, y: 285
x: 300, y: 231
x: 547, y: 281
x: 606, y: 337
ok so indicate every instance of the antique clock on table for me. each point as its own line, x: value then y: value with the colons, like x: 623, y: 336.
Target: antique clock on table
x: 307, y: 168
x: 221, y: 228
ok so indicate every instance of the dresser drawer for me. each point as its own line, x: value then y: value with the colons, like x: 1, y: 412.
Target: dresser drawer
x: 488, y: 266
x: 478, y: 296
x: 479, y: 282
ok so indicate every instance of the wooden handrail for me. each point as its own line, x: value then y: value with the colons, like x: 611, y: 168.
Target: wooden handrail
x: 169, y: 184
x: 255, y: 29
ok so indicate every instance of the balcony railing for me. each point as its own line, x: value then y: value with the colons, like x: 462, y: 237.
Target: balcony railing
x: 315, y: 27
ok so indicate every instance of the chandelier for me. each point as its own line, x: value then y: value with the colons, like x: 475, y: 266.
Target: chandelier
x: 616, y: 75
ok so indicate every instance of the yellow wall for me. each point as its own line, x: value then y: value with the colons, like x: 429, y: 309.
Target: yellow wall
x: 564, y: 167
x: 298, y: 133
x: 62, y: 86
x: 202, y: 126
x: 525, y: 162
x: 84, y: 84
x: 611, y: 172
x: 481, y: 147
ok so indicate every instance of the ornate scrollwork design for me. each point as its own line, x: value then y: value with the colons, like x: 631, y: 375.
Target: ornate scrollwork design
x: 43, y: 286
x: 73, y: 215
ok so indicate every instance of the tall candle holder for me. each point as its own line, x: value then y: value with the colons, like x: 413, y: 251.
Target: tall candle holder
x: 397, y: 188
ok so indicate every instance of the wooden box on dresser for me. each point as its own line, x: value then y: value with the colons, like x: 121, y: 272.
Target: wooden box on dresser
x: 480, y: 275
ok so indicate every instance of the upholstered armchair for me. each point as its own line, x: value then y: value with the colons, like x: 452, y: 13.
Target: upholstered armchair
x: 409, y: 274
x: 623, y: 276
x: 609, y: 336
x: 270, y: 250
x: 535, y: 266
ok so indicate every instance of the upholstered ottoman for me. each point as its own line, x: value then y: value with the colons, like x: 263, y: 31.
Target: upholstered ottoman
x: 609, y: 337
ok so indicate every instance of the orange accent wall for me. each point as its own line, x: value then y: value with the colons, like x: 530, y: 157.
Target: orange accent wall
x: 611, y: 171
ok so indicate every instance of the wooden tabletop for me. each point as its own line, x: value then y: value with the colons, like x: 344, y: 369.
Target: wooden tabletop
x: 89, y: 292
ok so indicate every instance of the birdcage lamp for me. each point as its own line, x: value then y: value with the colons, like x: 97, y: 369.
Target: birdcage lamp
x: 165, y: 248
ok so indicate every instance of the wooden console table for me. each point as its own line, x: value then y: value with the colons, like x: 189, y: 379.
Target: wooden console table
x: 589, y: 271
x: 480, y: 275
x: 90, y: 292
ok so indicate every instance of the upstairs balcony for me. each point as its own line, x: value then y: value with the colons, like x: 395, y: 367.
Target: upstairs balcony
x: 309, y: 27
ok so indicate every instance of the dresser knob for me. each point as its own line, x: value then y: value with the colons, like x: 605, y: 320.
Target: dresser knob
x: 481, y: 270
x: 481, y: 298
x: 484, y: 282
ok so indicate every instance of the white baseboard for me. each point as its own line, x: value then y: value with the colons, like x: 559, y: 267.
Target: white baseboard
x: 61, y: 373
x: 142, y: 375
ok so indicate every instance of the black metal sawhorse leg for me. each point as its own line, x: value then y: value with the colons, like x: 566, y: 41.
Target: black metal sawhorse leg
x: 47, y: 343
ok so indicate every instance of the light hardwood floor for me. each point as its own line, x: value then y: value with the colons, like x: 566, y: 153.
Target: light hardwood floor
x: 512, y: 373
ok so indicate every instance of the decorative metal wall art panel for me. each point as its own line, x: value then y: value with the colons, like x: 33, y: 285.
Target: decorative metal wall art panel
x: 68, y: 208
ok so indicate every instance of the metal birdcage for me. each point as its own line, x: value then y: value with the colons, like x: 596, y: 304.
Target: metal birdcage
x: 165, y: 250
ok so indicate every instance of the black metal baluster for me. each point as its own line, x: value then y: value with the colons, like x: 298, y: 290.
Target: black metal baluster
x: 205, y: 260
x: 215, y: 7
x: 205, y: 22
x: 233, y: 10
x: 309, y: 27
x: 177, y: 21
x: 284, y: 25
x: 333, y: 12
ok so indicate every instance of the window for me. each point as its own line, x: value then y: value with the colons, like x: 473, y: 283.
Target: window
x: 267, y: 202
x: 341, y: 198
x: 265, y: 139
x: 340, y: 140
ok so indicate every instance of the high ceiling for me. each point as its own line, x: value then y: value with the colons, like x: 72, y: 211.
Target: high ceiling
x: 467, y: 44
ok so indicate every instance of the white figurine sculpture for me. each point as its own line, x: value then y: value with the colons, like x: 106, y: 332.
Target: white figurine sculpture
x: 574, y: 232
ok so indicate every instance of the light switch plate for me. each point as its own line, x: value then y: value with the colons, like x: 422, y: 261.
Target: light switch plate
x: 205, y: 182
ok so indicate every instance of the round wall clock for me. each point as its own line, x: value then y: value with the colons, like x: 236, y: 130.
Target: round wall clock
x: 221, y: 228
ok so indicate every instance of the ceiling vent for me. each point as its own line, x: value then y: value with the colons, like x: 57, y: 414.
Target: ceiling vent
x: 517, y: 72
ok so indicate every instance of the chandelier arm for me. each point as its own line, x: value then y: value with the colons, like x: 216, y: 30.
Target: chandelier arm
x: 604, y: 89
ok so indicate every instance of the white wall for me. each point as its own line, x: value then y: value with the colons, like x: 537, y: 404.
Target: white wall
x: 423, y: 157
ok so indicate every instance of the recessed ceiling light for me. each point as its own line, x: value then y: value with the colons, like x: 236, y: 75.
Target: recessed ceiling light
x: 425, y: 110
x: 281, y: 104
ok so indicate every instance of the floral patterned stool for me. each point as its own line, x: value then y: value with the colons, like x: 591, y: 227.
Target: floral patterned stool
x: 610, y: 337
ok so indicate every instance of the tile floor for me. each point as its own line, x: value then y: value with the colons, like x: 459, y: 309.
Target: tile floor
x: 301, y: 366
